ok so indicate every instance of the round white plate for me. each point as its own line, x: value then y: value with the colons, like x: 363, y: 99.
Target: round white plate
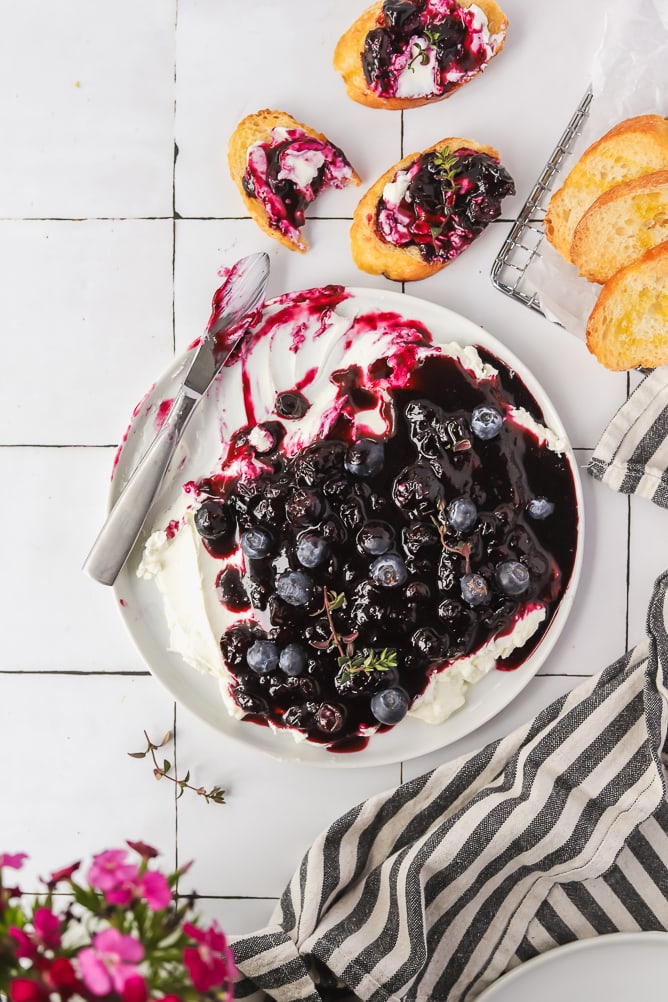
x: 141, y: 604
x: 620, y: 967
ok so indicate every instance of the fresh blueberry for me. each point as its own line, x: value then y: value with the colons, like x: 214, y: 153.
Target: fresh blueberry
x: 311, y: 549
x: 292, y: 659
x: 255, y: 542
x: 389, y: 706
x: 214, y: 520
x: 262, y: 657
x: 461, y: 514
x: 512, y: 577
x: 375, y: 538
x: 365, y: 457
x: 295, y: 588
x: 474, y: 589
x: 389, y: 570
x: 486, y: 421
x: 540, y: 508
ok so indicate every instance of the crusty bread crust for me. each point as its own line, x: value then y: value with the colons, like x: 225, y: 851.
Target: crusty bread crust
x: 349, y: 49
x: 378, y: 257
x: 257, y: 128
x: 632, y: 148
x: 621, y: 225
x: 628, y: 326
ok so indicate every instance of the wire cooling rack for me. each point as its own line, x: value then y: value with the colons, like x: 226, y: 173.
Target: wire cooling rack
x: 523, y: 242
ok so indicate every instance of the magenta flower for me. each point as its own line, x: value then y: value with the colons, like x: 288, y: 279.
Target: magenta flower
x: 110, y: 873
x: 26, y: 990
x: 143, y: 850
x: 13, y: 860
x: 110, y: 962
x: 209, y: 964
x: 25, y: 948
x: 64, y: 874
x: 153, y: 887
x: 47, y: 928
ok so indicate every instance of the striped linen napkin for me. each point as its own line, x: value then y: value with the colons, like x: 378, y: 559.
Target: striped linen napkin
x: 431, y: 891
x: 632, y: 455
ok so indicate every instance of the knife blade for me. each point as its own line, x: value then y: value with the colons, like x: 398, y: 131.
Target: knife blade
x: 232, y: 311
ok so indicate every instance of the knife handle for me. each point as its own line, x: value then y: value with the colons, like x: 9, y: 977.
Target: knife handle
x: 125, y: 520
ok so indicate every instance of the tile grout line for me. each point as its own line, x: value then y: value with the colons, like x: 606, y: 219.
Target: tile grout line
x: 176, y: 154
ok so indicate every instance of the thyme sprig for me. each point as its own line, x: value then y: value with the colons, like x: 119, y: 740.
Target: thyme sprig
x: 462, y: 548
x: 215, y: 795
x: 422, y: 54
x: 350, y: 662
x: 446, y: 164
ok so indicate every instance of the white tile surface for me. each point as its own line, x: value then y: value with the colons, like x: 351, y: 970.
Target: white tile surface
x: 88, y: 94
x: 86, y: 318
x: 72, y: 788
x: 53, y: 616
x: 97, y: 293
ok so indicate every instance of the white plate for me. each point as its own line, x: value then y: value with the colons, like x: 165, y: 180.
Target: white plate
x: 621, y: 967
x: 141, y: 604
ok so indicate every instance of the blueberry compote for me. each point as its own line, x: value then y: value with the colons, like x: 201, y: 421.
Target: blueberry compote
x: 288, y: 173
x: 447, y: 199
x: 369, y: 564
x: 450, y: 42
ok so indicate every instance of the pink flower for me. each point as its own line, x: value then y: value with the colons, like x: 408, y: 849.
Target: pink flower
x: 24, y: 944
x: 110, y: 873
x: 25, y: 990
x: 135, y: 990
x: 47, y: 928
x: 143, y: 850
x: 64, y: 874
x: 13, y: 860
x: 210, y: 964
x: 153, y: 887
x: 110, y: 962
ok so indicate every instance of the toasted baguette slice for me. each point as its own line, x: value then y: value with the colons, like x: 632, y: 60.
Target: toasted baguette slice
x: 258, y: 128
x: 635, y: 147
x: 621, y: 225
x: 628, y: 326
x: 349, y: 49
x: 375, y: 255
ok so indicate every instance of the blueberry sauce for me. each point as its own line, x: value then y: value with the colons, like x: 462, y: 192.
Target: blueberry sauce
x: 442, y: 202
x: 365, y: 544
x: 425, y: 48
x: 288, y: 173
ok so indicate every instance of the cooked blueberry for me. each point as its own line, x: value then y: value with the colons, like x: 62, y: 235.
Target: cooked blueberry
x: 486, y: 421
x: 474, y: 589
x: 365, y: 457
x: 293, y: 659
x: 417, y: 591
x: 214, y: 520
x: 419, y: 535
x: 304, y: 507
x: 295, y: 588
x: 461, y: 514
x: 415, y: 486
x: 430, y: 643
x: 291, y: 405
x: 540, y: 508
x: 375, y: 538
x: 389, y: 706
x: 262, y: 657
x: 256, y: 542
x: 231, y: 591
x: 311, y: 549
x: 389, y: 570
x: 330, y: 717
x: 512, y: 577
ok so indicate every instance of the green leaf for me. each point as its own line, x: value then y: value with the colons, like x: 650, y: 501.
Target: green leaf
x: 166, y: 765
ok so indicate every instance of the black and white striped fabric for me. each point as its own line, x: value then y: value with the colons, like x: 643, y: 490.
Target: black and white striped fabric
x: 632, y: 455
x: 431, y: 891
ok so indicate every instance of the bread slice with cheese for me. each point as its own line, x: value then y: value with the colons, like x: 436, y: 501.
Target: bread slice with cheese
x: 350, y: 49
x: 628, y: 327
x: 371, y: 252
x: 621, y: 225
x: 632, y: 148
x: 259, y: 128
